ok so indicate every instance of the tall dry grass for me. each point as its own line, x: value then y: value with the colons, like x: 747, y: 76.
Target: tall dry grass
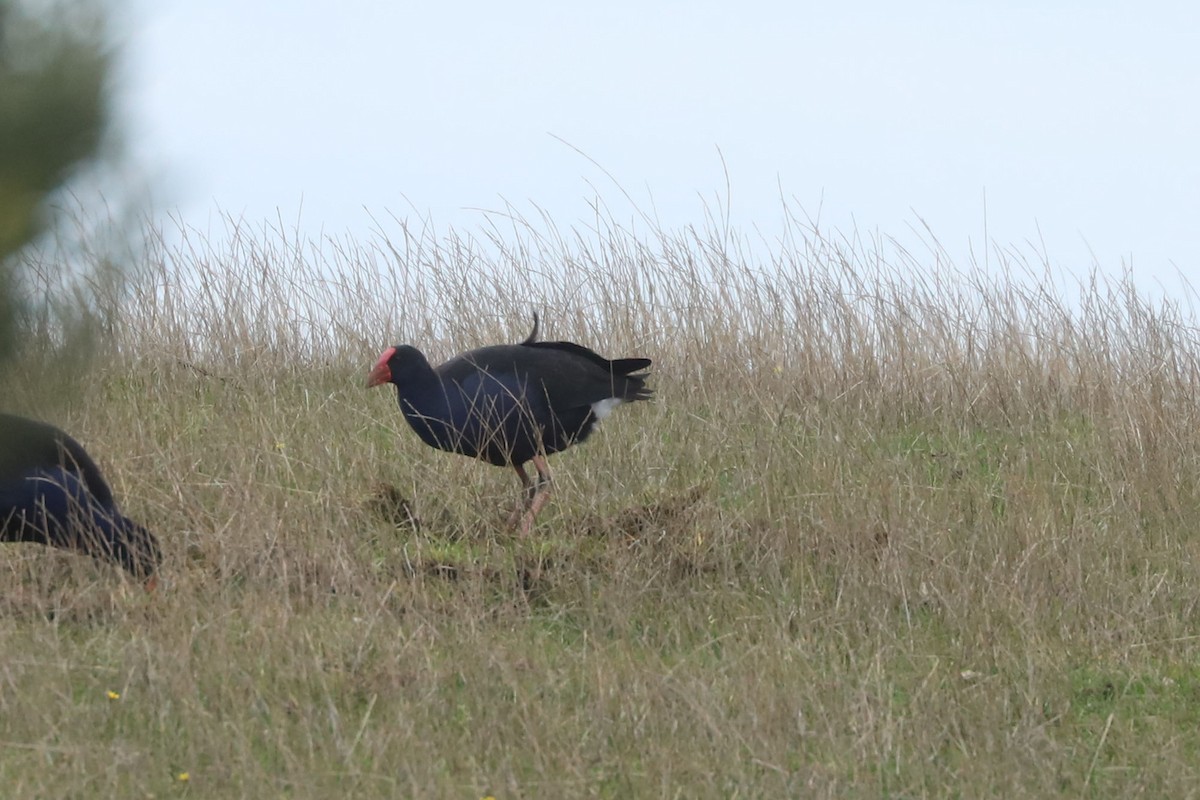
x: 892, y: 528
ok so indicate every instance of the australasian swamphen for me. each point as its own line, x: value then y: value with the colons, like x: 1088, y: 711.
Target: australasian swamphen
x: 52, y: 493
x: 511, y: 404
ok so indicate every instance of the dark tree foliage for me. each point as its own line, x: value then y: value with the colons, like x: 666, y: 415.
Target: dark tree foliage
x: 55, y: 66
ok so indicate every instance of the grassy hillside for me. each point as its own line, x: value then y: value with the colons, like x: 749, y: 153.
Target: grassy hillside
x: 891, y: 529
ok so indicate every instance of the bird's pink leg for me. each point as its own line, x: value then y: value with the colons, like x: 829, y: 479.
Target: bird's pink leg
x: 541, y: 493
x: 529, y: 490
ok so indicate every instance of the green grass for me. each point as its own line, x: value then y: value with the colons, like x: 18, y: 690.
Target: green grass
x: 873, y: 538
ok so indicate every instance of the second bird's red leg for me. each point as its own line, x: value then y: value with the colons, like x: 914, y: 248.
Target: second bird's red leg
x: 527, y: 495
x: 539, y: 495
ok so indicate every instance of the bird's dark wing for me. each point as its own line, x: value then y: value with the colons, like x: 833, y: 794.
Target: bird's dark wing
x: 626, y: 366
x: 620, y: 366
x: 570, y: 375
x: 578, y: 376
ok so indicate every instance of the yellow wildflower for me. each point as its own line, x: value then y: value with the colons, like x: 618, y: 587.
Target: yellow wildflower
x: 113, y: 695
x: 183, y: 777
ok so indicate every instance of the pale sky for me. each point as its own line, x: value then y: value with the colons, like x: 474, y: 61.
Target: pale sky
x: 1079, y: 121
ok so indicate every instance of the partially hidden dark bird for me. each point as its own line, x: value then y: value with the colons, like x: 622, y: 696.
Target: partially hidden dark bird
x: 510, y: 404
x: 52, y: 493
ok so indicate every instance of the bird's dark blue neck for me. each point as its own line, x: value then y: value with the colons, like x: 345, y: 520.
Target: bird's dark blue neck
x: 427, y: 409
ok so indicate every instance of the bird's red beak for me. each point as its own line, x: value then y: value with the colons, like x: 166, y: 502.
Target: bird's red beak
x: 381, y: 373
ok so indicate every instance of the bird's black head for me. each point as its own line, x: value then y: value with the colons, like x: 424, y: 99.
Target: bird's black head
x: 138, y: 551
x: 398, y: 365
x: 125, y: 542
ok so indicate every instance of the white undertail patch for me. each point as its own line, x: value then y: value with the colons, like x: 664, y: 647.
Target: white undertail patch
x: 602, y: 408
